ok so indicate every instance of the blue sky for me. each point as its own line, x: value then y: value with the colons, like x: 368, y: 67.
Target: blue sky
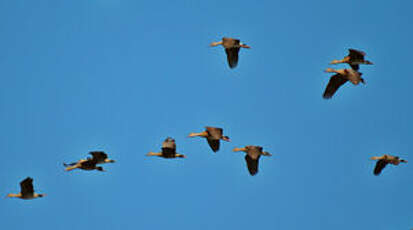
x: 120, y: 76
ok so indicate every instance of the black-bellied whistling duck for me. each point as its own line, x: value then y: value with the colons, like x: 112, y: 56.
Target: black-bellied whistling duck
x: 354, y: 58
x: 26, y: 190
x: 168, y: 150
x: 213, y: 135
x: 341, y: 77
x: 382, y: 161
x: 98, y: 157
x: 232, y: 47
x: 253, y: 154
x: 88, y: 164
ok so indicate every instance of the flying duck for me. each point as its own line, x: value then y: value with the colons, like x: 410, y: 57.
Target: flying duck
x: 88, y: 164
x: 232, y: 47
x: 253, y: 154
x: 26, y: 190
x: 384, y: 160
x: 98, y: 157
x: 212, y: 135
x: 168, y: 150
x: 354, y: 58
x: 341, y: 77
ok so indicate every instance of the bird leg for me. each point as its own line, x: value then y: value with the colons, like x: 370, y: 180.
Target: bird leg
x: 239, y: 149
x: 70, y: 168
x: 154, y: 154
x: 203, y: 134
x: 215, y: 43
x: 14, y: 195
x: 376, y: 158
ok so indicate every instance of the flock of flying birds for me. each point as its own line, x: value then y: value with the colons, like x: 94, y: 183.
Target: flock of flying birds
x: 214, y: 135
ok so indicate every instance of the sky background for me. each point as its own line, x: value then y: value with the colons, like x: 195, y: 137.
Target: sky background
x: 122, y: 75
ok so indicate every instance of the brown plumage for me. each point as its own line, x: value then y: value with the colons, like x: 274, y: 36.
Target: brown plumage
x: 168, y: 150
x: 341, y: 77
x: 232, y: 47
x: 213, y: 135
x: 354, y: 58
x: 382, y: 161
x: 26, y: 190
x: 253, y: 154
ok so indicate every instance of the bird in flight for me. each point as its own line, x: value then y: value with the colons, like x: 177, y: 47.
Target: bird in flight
x: 232, y: 47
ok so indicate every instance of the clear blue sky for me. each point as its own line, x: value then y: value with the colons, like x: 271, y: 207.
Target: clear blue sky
x: 122, y: 75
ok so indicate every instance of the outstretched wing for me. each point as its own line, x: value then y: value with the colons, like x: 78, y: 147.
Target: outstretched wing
x: 98, y: 155
x: 355, y: 66
x: 214, y: 144
x: 26, y: 186
x: 232, y: 56
x: 379, y: 166
x: 252, y: 165
x: 335, y: 82
x: 356, y: 55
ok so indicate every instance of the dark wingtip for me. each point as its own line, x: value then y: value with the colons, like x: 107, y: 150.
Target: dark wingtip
x: 327, y: 96
x: 214, y: 149
x: 232, y: 66
x: 253, y: 173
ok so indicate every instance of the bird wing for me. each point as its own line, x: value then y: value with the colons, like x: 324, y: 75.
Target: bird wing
x: 98, y: 155
x: 335, y: 82
x: 252, y: 165
x: 356, y: 54
x: 26, y: 186
x: 355, y: 66
x: 214, y: 144
x: 379, y: 166
x: 232, y: 56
